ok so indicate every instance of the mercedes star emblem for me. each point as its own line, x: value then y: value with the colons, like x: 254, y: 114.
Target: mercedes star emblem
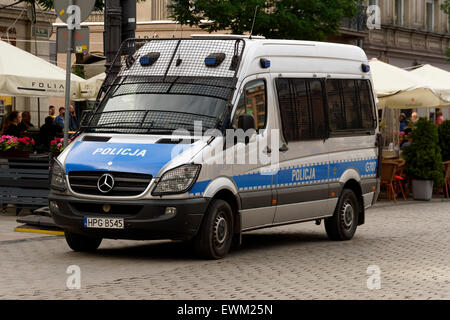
x: 105, y: 183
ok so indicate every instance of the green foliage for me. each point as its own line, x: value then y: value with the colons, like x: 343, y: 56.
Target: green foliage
x: 445, y: 6
x: 423, y: 156
x: 79, y: 71
x: 444, y: 139
x: 282, y: 19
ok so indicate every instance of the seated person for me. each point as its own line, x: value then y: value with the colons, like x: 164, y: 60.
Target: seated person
x: 47, y: 133
x: 25, y: 124
x: 11, y: 127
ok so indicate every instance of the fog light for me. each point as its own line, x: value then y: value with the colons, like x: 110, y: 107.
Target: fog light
x: 171, y: 210
x: 53, y: 206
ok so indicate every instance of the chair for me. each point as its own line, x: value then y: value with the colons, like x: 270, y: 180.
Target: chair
x: 388, y: 170
x: 447, y: 178
x: 399, y: 177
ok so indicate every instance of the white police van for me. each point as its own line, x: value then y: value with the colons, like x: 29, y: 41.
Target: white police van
x: 160, y: 156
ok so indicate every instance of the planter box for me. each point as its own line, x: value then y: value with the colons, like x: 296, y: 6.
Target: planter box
x: 14, y: 154
x: 422, y: 189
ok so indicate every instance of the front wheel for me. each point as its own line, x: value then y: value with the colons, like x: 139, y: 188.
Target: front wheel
x: 81, y: 243
x: 342, y: 225
x: 214, y: 238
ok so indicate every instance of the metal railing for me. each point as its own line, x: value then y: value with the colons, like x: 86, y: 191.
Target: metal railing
x: 356, y: 23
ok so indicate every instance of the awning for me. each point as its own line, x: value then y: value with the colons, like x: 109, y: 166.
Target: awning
x: 437, y: 79
x: 398, y: 88
x: 23, y: 74
x: 90, y: 88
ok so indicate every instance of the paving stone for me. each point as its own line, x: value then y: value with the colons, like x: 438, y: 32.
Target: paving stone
x: 408, y: 242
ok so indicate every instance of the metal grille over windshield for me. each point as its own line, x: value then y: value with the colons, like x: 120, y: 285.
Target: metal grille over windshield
x: 167, y: 84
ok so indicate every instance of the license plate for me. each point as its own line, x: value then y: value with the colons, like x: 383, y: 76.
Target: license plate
x: 104, y: 223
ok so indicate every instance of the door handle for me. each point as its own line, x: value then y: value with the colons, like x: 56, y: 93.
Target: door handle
x: 267, y: 150
x: 283, y: 148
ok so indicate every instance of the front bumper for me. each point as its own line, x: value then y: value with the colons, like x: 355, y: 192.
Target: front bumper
x: 143, y: 219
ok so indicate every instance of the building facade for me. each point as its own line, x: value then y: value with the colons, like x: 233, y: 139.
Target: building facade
x: 413, y: 32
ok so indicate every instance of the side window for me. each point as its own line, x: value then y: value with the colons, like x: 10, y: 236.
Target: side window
x: 335, y: 110
x: 253, y: 101
x: 301, y: 108
x: 316, y: 92
x: 367, y: 104
x: 302, y: 121
x: 350, y: 105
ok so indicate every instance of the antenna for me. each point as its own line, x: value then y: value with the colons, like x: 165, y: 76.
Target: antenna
x: 253, y: 23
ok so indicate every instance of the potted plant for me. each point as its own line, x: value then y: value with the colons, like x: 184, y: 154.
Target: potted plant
x: 424, y: 160
x: 444, y: 139
x: 57, y: 146
x: 13, y: 147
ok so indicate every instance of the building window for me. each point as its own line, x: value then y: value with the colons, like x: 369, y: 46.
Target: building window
x: 430, y: 15
x: 399, y: 9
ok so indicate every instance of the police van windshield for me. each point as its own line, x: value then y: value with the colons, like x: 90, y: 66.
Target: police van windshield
x: 158, y: 106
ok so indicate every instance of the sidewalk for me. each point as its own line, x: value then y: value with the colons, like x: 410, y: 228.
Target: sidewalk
x: 7, y: 233
x: 381, y: 202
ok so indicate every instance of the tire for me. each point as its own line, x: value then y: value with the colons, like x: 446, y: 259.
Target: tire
x: 214, y: 238
x: 342, y: 225
x: 81, y: 243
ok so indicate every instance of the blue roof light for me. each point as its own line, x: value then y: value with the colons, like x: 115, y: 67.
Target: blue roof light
x: 264, y: 63
x: 144, y: 61
x: 365, y: 67
x: 210, y: 61
x: 214, y: 59
x: 149, y: 59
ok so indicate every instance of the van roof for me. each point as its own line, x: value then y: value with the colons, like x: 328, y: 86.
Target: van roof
x: 323, y: 49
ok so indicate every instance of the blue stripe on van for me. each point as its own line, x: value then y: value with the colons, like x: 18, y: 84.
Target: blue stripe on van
x: 304, y: 174
x: 297, y: 175
x: 366, y: 167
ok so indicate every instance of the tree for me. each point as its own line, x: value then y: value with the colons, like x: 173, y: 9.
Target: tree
x: 283, y: 19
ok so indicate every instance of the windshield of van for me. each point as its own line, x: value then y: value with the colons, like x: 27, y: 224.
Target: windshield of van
x: 162, y: 105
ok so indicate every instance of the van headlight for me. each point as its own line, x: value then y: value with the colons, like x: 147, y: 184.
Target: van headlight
x: 57, y: 177
x: 177, y: 180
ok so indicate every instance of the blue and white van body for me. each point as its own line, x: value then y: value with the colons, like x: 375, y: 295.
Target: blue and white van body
x: 313, y: 111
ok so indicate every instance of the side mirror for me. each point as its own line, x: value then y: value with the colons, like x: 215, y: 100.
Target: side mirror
x: 246, y: 121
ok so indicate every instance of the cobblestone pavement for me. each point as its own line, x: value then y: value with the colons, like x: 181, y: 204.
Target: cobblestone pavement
x: 409, y: 242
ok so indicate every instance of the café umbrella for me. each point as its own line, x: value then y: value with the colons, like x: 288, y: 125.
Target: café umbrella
x: 400, y: 89
x: 90, y: 88
x: 23, y: 74
x: 437, y: 79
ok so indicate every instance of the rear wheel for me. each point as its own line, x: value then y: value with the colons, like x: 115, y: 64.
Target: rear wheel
x: 81, y: 243
x: 214, y: 238
x: 342, y: 225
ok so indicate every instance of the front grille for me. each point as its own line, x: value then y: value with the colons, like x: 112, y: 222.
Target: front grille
x: 125, y: 184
